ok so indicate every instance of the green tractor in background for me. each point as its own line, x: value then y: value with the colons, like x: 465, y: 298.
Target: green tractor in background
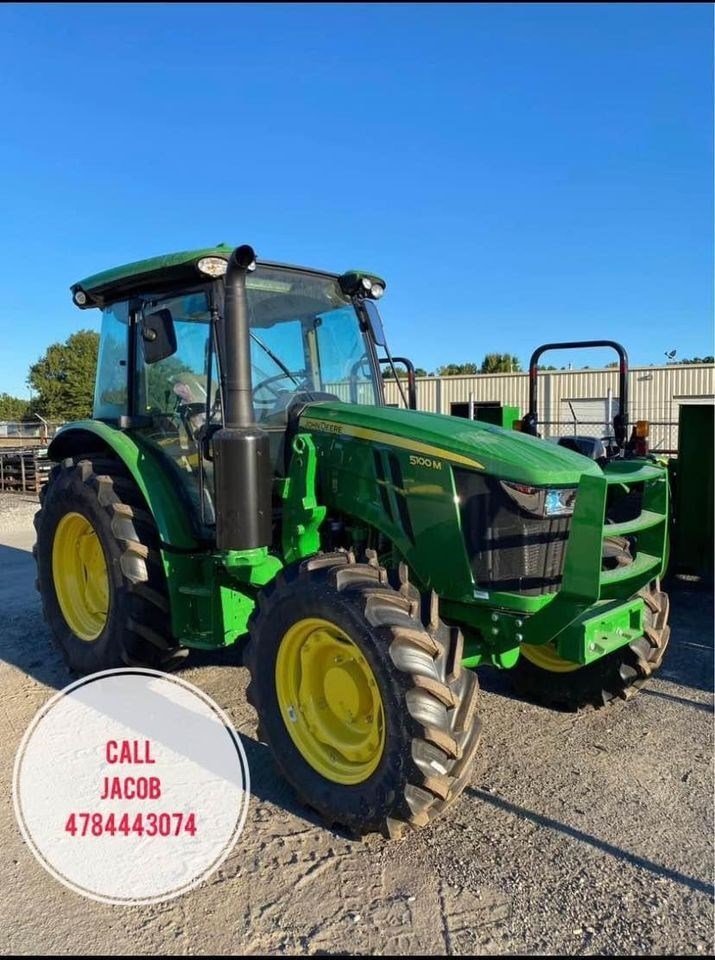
x: 242, y: 480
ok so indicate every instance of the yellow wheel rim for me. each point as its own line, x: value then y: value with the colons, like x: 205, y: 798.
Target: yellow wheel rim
x: 545, y: 656
x: 329, y: 701
x: 79, y: 573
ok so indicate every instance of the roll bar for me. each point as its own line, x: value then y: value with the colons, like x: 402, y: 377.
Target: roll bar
x: 411, y: 380
x: 620, y: 420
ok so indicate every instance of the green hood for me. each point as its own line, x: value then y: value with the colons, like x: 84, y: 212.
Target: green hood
x: 469, y: 443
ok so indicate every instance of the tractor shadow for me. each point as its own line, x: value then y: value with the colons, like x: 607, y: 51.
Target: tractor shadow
x: 573, y: 833
x: 25, y: 641
x: 269, y: 786
x: 690, y: 659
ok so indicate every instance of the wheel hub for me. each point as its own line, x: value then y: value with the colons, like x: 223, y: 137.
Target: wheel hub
x: 329, y: 701
x: 546, y: 657
x: 79, y: 574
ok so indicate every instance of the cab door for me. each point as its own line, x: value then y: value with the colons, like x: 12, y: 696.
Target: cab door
x: 176, y: 389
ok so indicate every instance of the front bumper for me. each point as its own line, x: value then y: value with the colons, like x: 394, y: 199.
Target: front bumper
x: 595, y: 610
x: 585, y: 583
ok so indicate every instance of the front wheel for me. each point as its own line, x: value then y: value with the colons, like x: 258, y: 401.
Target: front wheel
x: 361, y: 695
x: 542, y: 676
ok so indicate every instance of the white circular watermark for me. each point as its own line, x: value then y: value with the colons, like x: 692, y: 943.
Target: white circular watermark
x: 131, y: 786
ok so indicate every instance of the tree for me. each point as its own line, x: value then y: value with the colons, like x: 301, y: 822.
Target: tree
x: 63, y: 377
x: 12, y: 408
x: 500, y: 363
x: 402, y: 373
x: 695, y: 360
x: 454, y: 369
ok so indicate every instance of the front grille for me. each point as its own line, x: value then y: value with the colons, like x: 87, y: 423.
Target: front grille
x: 509, y: 550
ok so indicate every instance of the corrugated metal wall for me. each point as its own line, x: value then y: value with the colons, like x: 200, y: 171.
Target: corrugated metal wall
x: 654, y: 395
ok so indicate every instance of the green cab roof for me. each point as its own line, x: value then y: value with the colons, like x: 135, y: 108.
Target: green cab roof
x: 160, y: 273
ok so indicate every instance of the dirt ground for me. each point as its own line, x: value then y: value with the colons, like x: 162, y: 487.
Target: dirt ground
x: 579, y: 834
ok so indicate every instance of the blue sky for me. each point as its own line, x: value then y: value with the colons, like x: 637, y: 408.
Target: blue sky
x: 517, y: 173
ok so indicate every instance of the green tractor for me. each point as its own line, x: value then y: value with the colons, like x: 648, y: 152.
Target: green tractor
x: 243, y: 481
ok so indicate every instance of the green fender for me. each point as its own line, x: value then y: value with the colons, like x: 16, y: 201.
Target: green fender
x: 157, y: 487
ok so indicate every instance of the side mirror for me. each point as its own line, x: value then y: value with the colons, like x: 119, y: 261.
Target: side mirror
x: 158, y: 336
x: 374, y: 321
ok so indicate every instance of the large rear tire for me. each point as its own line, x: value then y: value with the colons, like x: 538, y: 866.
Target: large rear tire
x: 361, y: 695
x: 99, y: 571
x: 541, y: 676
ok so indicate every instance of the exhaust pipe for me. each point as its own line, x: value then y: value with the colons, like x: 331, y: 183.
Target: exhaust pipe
x: 242, y: 468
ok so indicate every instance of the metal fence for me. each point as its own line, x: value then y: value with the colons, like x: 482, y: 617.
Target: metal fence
x: 582, y: 419
x: 32, y: 433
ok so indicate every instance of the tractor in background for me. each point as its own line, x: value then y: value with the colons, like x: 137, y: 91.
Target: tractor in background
x: 616, y: 443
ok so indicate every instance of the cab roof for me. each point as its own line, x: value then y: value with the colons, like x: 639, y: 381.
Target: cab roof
x: 155, y: 274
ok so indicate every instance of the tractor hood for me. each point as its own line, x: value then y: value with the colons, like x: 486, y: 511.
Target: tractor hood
x: 507, y: 454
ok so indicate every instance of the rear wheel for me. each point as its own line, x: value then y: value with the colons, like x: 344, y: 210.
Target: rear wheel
x: 542, y: 676
x: 361, y: 695
x: 99, y: 572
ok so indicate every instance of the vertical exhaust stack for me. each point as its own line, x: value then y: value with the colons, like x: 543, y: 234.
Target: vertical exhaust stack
x: 242, y: 469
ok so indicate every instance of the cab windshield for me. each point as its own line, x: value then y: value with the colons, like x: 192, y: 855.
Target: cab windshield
x: 305, y: 340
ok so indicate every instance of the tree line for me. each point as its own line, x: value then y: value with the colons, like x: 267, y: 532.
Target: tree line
x: 492, y: 363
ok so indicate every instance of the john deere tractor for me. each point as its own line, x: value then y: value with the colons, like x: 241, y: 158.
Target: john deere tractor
x: 243, y: 481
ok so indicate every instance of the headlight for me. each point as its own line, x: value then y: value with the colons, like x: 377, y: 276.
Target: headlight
x: 212, y: 266
x: 541, y: 501
x: 355, y: 283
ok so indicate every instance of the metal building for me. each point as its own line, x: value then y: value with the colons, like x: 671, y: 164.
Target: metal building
x: 576, y: 401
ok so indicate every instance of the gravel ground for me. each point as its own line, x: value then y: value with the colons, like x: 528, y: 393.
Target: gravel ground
x: 579, y: 834
x: 15, y: 511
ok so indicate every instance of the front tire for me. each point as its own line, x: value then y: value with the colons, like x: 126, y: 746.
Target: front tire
x: 99, y: 571
x: 367, y: 757
x: 541, y: 676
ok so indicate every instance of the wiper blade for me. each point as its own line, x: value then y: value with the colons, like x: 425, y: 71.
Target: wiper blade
x: 278, y: 362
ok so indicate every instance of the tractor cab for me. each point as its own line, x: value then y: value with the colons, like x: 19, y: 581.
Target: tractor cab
x: 165, y: 346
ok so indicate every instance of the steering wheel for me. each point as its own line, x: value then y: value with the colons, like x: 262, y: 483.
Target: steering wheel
x: 278, y: 395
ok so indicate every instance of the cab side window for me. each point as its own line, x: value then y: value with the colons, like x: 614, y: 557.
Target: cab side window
x: 110, y: 392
